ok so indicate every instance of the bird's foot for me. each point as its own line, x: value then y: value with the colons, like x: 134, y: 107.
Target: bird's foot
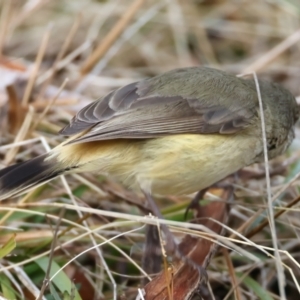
x: 194, y: 204
x: 170, y: 246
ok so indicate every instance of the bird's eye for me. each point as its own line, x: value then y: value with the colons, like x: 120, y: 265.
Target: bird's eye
x: 271, y: 147
x: 272, y: 144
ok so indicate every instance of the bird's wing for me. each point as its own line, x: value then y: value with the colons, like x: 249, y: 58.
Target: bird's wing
x: 147, y: 109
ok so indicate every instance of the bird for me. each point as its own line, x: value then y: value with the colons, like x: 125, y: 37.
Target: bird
x: 172, y: 134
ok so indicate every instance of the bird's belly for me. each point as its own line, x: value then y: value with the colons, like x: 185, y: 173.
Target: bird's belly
x: 177, y: 164
x: 187, y: 163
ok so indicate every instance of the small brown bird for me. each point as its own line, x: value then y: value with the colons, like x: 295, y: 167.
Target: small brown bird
x: 175, y: 133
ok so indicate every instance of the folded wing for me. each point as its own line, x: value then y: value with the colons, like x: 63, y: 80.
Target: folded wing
x: 158, y: 106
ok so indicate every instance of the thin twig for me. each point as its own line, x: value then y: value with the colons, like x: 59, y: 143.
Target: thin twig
x: 271, y: 55
x: 261, y: 226
x: 111, y: 36
x: 20, y: 136
x: 36, y: 67
x: 4, y: 22
x: 280, y: 271
x: 49, y: 105
x: 236, y: 290
x: 54, y: 240
x: 85, y: 224
x: 70, y: 36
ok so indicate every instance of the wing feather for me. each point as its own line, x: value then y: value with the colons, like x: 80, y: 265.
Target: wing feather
x: 155, y: 107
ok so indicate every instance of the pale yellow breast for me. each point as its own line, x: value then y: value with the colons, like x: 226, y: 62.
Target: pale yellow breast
x: 184, y: 164
x: 178, y: 164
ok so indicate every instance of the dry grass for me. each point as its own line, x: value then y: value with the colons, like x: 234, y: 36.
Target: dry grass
x: 56, y: 57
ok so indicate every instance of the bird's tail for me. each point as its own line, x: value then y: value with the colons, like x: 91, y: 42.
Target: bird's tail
x: 21, y: 177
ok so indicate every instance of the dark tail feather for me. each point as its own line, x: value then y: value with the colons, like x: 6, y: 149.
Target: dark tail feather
x: 21, y: 177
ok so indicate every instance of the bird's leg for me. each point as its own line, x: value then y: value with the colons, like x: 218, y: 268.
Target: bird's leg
x: 170, y: 242
x: 171, y: 247
x: 152, y: 255
x: 195, y: 202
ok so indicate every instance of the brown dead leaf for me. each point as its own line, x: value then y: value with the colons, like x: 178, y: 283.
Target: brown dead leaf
x: 183, y: 280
